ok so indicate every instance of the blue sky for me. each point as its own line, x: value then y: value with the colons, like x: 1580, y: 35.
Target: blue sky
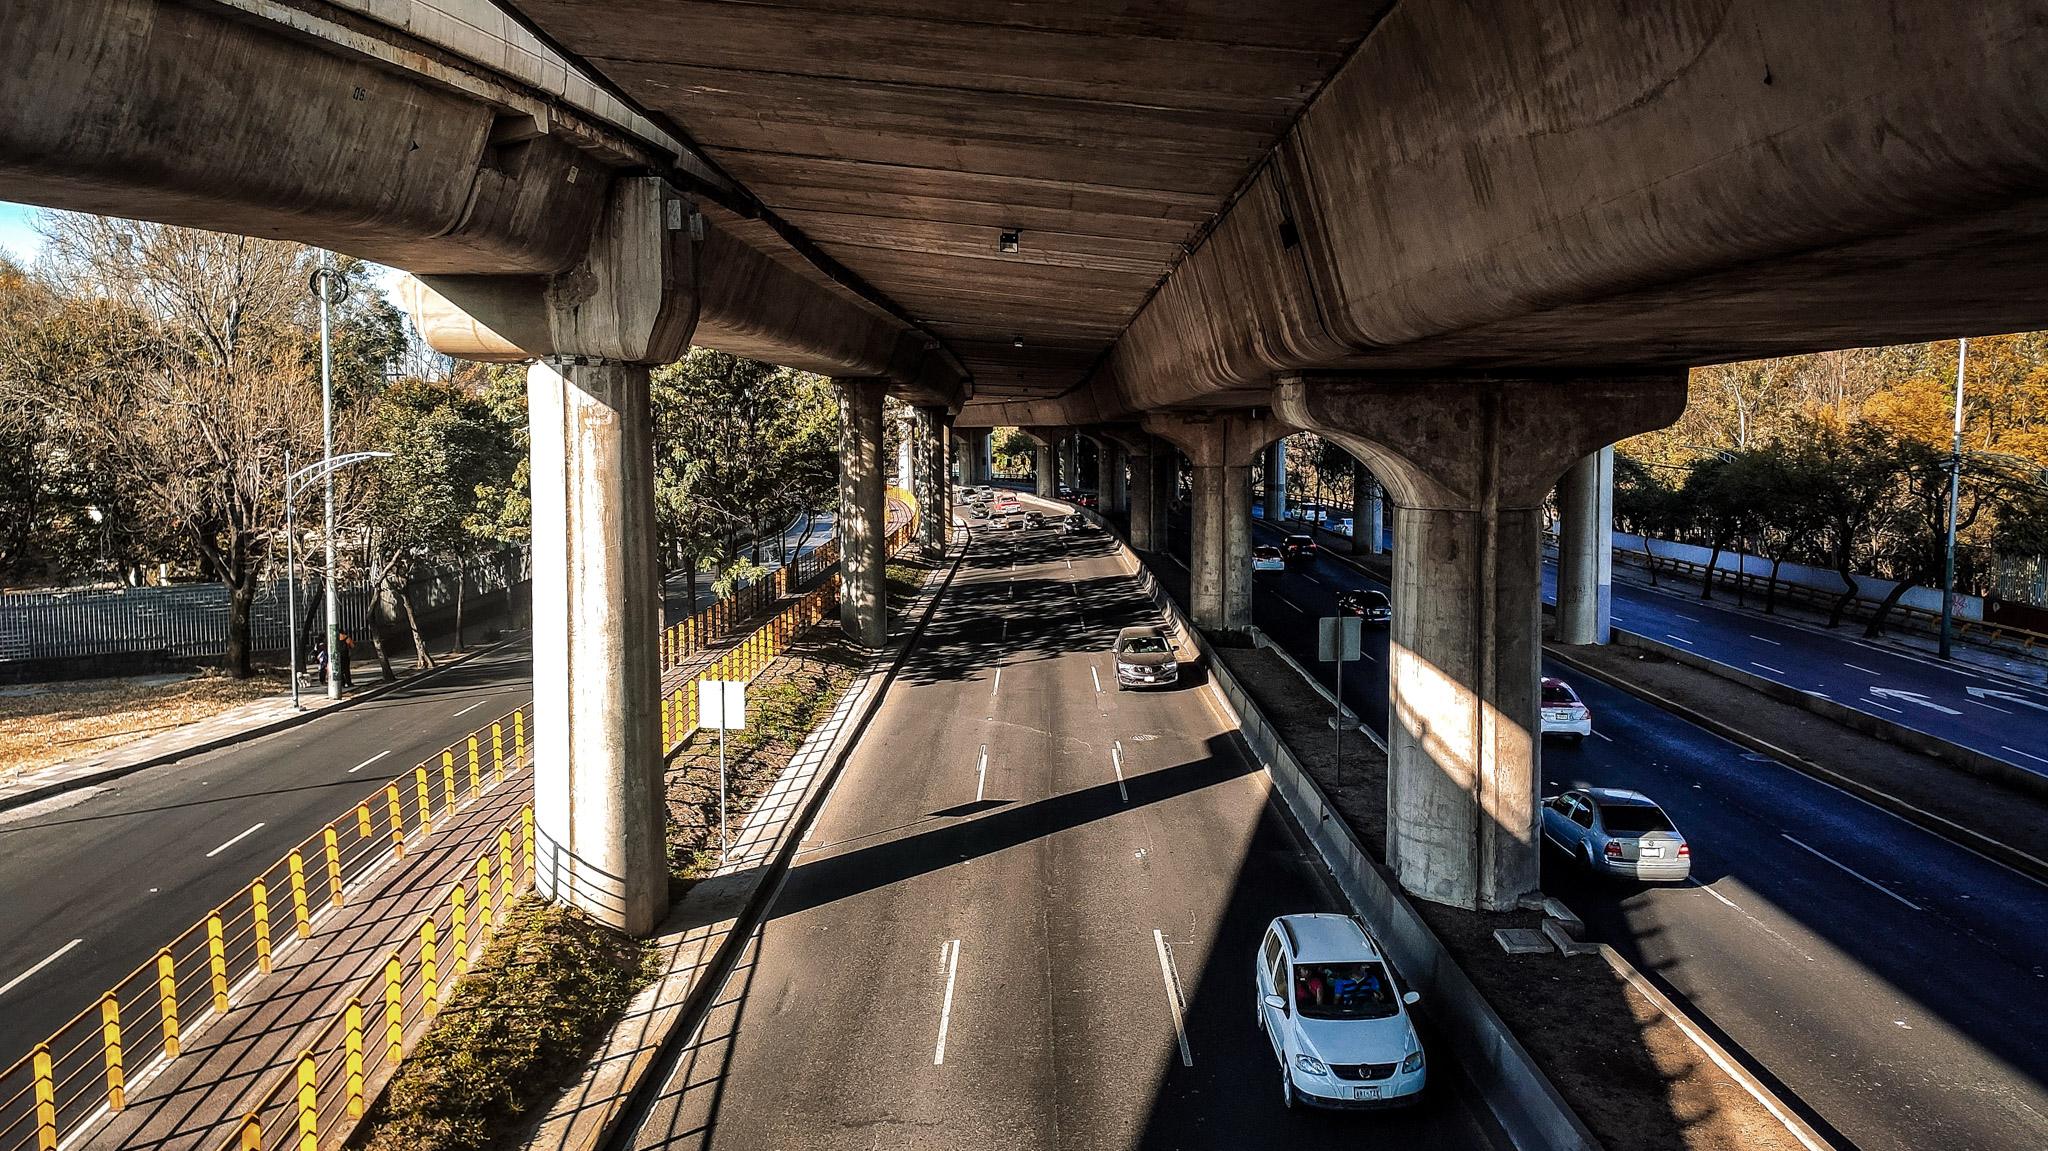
x: 17, y: 232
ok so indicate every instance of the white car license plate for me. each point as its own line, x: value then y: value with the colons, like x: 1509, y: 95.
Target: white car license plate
x: 1652, y: 852
x: 1365, y: 1093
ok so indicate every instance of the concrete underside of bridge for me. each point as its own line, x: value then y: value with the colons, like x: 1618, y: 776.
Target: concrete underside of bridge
x: 1472, y: 243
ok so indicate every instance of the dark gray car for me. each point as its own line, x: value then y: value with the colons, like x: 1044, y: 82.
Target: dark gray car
x: 1144, y: 658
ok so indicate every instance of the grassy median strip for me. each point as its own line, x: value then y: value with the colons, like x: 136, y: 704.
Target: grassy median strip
x: 516, y: 1030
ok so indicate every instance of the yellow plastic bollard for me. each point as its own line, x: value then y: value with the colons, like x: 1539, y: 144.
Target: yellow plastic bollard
x: 333, y: 845
x: 252, y: 1132
x: 526, y: 839
x: 666, y: 741
x: 300, y: 913
x: 363, y: 829
x: 259, y: 910
x: 217, y: 962
x: 352, y: 1058
x: 430, y: 968
x: 167, y: 1000
x: 504, y: 870
x: 426, y: 798
x: 458, y: 920
x: 484, y: 916
x: 110, y: 1043
x: 46, y: 1099
x: 497, y: 751
x: 447, y: 781
x: 394, y: 1010
x: 519, y: 735
x: 309, y: 1103
x: 397, y: 821
x: 476, y: 784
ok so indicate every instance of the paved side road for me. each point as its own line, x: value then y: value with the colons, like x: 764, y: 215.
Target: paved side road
x: 993, y: 950
x: 94, y: 881
x: 1875, y: 969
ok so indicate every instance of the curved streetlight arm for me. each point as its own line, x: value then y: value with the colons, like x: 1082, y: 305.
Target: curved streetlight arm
x: 316, y: 470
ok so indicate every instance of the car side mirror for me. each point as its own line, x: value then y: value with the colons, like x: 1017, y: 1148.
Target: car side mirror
x: 1412, y: 998
x: 1276, y: 1002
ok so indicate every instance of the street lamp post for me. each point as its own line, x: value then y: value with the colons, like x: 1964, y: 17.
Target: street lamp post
x: 293, y: 481
x: 1955, y: 492
x: 327, y: 283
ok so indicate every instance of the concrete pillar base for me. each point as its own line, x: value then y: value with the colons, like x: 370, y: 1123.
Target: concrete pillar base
x: 1045, y: 472
x: 1368, y: 504
x: 930, y: 474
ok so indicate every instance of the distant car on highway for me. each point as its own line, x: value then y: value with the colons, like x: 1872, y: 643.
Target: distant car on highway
x: 1087, y: 500
x: 1064, y: 492
x: 1339, y: 1025
x: 1300, y: 547
x: 1371, y: 606
x: 1076, y: 525
x: 1144, y: 658
x: 1564, y: 713
x: 1267, y: 558
x: 1613, y: 832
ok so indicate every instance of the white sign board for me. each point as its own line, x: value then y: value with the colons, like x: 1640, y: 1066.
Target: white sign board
x: 1335, y: 630
x: 722, y: 703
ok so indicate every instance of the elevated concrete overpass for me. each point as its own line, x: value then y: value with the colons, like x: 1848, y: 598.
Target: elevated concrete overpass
x: 1474, y: 244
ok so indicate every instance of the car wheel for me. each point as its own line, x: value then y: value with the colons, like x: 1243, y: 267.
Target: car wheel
x: 1286, y: 1088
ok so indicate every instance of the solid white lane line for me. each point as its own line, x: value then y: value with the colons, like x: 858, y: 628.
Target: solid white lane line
x: 369, y: 761
x: 981, y: 781
x: 1864, y: 670
x: 1680, y: 615
x: 470, y: 708
x: 1603, y: 735
x: 1679, y: 638
x: 1999, y: 710
x: 1845, y: 867
x: 53, y: 957
x: 999, y: 682
x: 1092, y: 674
x: 2028, y: 754
x: 234, y: 841
x: 1166, y: 972
x: 1886, y: 706
x: 1772, y: 642
x: 949, y: 958
x: 1116, y: 760
x: 1766, y: 667
x: 1289, y: 603
x: 1758, y: 923
x: 1311, y: 579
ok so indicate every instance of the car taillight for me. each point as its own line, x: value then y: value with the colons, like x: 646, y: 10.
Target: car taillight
x: 1684, y: 849
x: 1613, y: 850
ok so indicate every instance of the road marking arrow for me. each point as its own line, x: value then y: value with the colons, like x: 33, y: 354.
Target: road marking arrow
x: 2007, y: 696
x: 1913, y: 697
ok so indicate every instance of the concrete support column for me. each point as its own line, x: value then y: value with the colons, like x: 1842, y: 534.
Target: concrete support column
x: 1468, y: 463
x: 1109, y: 475
x: 1585, y: 550
x: 1148, y: 513
x: 1276, y: 481
x: 931, y: 480
x: 598, y: 810
x: 1045, y: 469
x: 906, y: 462
x: 971, y: 447
x: 863, y: 522
x: 1222, y: 447
x: 1070, y: 461
x: 1368, y: 509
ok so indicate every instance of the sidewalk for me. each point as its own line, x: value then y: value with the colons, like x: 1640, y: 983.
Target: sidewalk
x: 233, y: 725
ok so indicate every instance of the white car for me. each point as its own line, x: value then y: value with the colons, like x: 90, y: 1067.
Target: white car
x: 1610, y: 831
x: 1267, y: 558
x: 1337, y: 1022
x: 1564, y: 713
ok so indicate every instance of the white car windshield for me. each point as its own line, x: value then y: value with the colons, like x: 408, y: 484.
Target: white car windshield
x: 1344, y: 991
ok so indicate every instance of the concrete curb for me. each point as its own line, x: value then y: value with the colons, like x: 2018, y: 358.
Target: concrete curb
x: 629, y: 1106
x: 55, y: 787
x: 1948, y: 829
x: 1521, y: 1098
x: 1977, y: 763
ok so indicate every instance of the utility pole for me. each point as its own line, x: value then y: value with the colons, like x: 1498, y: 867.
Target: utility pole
x: 1955, y: 492
x: 328, y: 285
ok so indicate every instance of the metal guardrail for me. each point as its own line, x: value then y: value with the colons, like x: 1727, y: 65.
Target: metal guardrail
x: 69, y: 1081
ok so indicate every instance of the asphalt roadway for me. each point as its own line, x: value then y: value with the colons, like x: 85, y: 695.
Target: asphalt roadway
x: 1889, y: 978
x: 1019, y: 883
x: 93, y: 882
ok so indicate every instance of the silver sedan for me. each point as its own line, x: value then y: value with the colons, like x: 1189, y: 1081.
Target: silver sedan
x: 1615, y: 832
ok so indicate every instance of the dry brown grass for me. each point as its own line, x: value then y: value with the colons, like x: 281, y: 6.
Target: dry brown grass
x: 81, y: 719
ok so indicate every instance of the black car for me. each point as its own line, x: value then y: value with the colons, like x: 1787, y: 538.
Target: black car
x: 1300, y: 547
x: 1370, y: 606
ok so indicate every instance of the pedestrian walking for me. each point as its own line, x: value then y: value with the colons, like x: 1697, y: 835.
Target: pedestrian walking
x: 320, y: 659
x: 348, y: 650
